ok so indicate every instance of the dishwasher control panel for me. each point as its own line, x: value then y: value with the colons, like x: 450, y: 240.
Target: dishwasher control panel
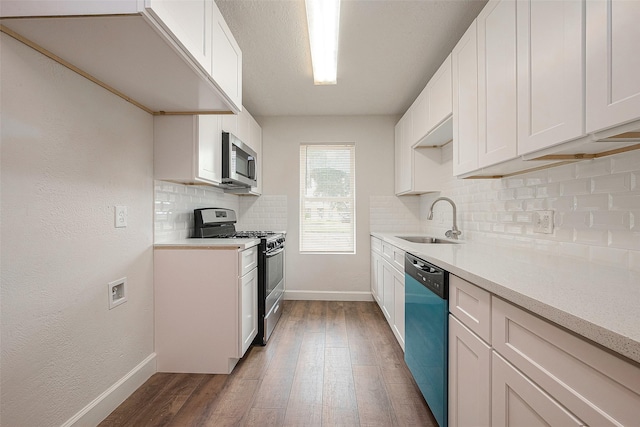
x: 429, y: 275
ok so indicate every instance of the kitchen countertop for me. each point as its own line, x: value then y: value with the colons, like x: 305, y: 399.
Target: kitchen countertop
x: 207, y: 243
x: 598, y: 302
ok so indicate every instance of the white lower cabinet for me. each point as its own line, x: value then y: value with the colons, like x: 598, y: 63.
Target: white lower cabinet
x: 376, y: 269
x: 598, y: 387
x: 387, y: 284
x: 518, y: 401
x: 469, y: 377
x: 529, y: 372
x: 249, y: 309
x: 205, y: 308
x: 388, y: 277
x: 398, y: 307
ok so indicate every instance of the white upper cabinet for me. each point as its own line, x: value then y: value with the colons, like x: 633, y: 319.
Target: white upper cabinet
x: 403, y: 156
x: 432, y: 109
x: 527, y: 96
x: 398, y: 160
x: 423, y: 128
x: 209, y: 140
x: 550, y: 73
x: 464, y: 62
x: 497, y: 100
x: 190, y: 23
x: 255, y: 139
x: 164, y: 56
x: 419, y: 112
x: 613, y: 63
x: 439, y: 97
x: 188, y: 149
x: 226, y: 65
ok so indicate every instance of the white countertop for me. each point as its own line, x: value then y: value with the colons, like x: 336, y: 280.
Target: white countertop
x: 598, y: 302
x: 216, y: 244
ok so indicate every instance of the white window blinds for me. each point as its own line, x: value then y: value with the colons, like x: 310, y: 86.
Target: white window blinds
x: 327, y: 198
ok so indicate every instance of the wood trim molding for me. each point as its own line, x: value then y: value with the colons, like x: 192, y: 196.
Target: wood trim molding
x: 100, y: 83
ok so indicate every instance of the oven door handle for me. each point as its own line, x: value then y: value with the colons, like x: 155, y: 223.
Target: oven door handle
x: 274, y: 253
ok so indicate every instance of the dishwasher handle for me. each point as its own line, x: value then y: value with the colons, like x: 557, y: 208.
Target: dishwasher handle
x: 428, y: 269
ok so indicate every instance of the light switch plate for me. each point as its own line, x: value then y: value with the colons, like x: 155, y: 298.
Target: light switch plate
x: 120, y: 216
x: 543, y: 222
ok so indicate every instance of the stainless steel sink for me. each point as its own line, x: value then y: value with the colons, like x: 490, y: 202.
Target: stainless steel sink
x: 425, y: 239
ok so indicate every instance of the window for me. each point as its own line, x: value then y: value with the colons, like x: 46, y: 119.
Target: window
x: 327, y: 198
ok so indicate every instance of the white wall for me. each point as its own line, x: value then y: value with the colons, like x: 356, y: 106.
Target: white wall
x: 328, y: 276
x: 71, y: 151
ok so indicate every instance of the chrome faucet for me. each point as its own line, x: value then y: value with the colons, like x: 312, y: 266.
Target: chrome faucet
x: 454, y: 232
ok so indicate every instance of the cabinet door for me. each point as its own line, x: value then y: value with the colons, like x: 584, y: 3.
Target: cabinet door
x: 598, y: 387
x: 469, y: 377
x: 517, y: 401
x: 613, y: 63
x: 375, y: 276
x: 230, y: 123
x: 403, y: 155
x: 387, y: 291
x: 255, y: 141
x: 550, y: 73
x: 497, y: 104
x: 397, y: 157
x: 398, y: 307
x: 439, y: 96
x: 209, y: 158
x: 191, y: 24
x: 464, y: 63
x: 226, y: 64
x: 420, y: 117
x: 249, y: 309
x: 380, y: 280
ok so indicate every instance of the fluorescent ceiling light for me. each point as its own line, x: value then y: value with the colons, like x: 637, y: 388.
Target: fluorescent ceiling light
x: 323, y: 17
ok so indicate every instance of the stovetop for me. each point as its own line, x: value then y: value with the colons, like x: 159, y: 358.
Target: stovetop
x: 252, y: 234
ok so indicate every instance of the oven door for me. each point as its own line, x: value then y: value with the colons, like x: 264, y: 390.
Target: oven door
x: 274, y: 289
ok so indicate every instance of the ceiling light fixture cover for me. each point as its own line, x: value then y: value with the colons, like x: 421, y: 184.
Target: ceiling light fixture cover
x: 323, y: 17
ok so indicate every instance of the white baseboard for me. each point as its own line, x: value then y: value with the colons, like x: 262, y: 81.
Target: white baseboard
x: 110, y: 399
x: 327, y: 295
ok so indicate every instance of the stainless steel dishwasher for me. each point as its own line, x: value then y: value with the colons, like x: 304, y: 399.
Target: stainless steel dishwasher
x: 426, y: 331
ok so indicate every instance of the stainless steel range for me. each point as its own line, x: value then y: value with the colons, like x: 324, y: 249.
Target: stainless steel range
x: 220, y: 223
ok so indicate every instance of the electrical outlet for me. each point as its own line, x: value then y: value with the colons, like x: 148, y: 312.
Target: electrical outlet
x: 543, y: 222
x: 117, y: 292
x: 121, y: 216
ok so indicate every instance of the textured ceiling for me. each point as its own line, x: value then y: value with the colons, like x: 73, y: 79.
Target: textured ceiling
x: 388, y: 50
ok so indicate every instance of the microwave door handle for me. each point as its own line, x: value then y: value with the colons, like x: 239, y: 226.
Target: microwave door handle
x: 252, y: 167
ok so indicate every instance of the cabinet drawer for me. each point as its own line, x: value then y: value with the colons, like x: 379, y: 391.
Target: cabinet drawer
x: 248, y: 260
x: 598, y: 387
x: 395, y: 256
x: 471, y: 305
x: 376, y: 245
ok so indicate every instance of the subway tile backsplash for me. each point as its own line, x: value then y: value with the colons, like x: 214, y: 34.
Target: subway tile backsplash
x: 596, y: 206
x: 394, y: 214
x: 264, y: 213
x: 174, y: 205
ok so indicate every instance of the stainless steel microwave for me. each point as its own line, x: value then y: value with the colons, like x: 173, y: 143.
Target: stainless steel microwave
x: 238, y: 163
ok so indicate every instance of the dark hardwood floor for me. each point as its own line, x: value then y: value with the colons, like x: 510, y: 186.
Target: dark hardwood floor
x: 328, y: 363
